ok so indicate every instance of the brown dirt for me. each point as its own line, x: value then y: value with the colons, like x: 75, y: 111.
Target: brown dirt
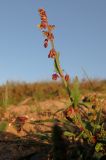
x: 13, y: 144
x: 37, y: 111
x: 19, y: 144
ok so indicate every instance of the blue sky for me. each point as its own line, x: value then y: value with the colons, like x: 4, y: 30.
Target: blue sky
x: 80, y: 37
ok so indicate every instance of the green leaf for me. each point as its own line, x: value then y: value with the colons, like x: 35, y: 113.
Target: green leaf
x: 75, y: 92
x: 69, y: 134
x: 57, y: 63
x: 42, y: 136
x: 99, y: 147
x: 99, y: 113
x: 57, y: 56
x: 42, y: 121
x: 3, y: 126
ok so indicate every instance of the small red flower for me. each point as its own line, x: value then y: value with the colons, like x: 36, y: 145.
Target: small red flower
x: 19, y: 122
x: 52, y: 53
x: 81, y: 129
x: 55, y: 76
x: 94, y: 139
x: 43, y: 14
x: 51, y: 27
x: 45, y: 43
x: 67, y: 77
x: 72, y: 112
x: 51, y: 36
x: 43, y: 25
x: 22, y: 119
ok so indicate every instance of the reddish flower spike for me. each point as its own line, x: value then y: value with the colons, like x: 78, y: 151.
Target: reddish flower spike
x: 44, y: 21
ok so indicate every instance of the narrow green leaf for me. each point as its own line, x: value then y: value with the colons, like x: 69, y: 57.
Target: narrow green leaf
x: 75, y: 92
x: 69, y: 134
x: 42, y: 121
x: 99, y: 147
x: 57, y: 63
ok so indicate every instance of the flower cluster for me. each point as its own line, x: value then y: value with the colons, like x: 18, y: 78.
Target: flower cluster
x: 47, y: 29
x: 19, y: 122
x: 44, y: 21
x: 70, y: 112
x: 49, y: 37
x: 52, y: 53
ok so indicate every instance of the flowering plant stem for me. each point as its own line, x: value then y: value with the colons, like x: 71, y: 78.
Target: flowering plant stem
x: 53, y: 54
x: 59, y: 71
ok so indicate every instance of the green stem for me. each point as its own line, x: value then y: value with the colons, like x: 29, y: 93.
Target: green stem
x: 60, y: 71
x: 63, y: 79
x: 83, y: 125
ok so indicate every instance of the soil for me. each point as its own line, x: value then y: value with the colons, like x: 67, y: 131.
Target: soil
x: 24, y: 143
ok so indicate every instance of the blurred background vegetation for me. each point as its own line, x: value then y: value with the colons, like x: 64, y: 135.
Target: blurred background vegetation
x: 16, y: 92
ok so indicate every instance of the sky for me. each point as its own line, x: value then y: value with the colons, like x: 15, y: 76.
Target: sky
x: 80, y: 37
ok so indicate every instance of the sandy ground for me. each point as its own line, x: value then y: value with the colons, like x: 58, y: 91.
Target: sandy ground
x: 15, y: 144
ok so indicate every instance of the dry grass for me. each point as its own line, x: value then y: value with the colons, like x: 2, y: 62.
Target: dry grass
x: 16, y: 92
x: 39, y: 102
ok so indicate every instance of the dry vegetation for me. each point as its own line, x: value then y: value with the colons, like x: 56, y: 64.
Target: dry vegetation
x: 16, y: 92
x: 36, y: 102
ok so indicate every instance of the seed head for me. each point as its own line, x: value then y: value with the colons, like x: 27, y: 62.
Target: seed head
x: 55, y: 76
x: 52, y: 53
